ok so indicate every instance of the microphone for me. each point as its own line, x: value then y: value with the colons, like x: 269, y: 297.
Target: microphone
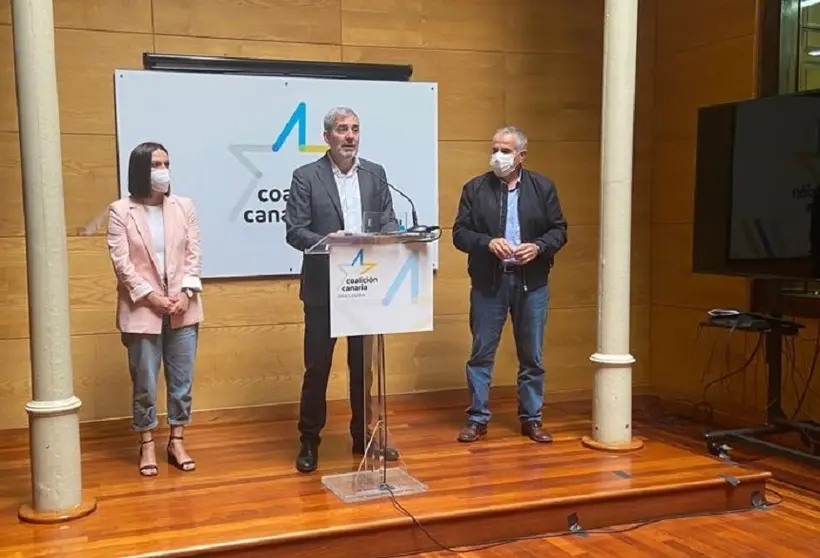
x: 416, y: 228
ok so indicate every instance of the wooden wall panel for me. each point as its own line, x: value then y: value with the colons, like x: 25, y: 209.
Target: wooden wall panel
x: 533, y: 63
x: 13, y: 299
x: 557, y: 95
x: 686, y: 26
x: 306, y: 21
x: 8, y: 95
x: 127, y: 16
x: 674, y: 284
x: 475, y: 25
x: 11, y: 208
x: 89, y: 178
x: 705, y: 75
x: 673, y: 179
x: 471, y: 91
x: 86, y: 61
x: 247, y: 49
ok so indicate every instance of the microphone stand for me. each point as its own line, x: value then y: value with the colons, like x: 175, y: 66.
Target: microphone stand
x: 416, y: 228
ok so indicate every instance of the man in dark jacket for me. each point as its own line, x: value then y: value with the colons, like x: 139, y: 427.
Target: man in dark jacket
x: 328, y: 195
x: 511, y: 226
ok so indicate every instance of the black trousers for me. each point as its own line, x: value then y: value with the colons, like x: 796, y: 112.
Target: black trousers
x: 319, y: 347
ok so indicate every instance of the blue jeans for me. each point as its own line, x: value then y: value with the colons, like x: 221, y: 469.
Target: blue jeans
x: 488, y: 313
x: 177, y: 349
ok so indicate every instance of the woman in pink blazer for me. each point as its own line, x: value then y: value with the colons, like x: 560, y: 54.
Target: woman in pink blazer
x: 153, y: 241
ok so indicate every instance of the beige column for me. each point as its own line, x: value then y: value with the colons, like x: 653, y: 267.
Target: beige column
x: 612, y: 397
x: 53, y: 422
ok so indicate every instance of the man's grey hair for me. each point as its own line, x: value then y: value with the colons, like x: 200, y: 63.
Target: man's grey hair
x: 335, y: 113
x: 520, y: 136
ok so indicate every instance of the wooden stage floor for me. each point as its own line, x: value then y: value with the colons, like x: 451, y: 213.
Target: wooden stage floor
x: 245, y: 498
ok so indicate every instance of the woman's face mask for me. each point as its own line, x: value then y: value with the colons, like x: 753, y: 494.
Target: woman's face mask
x: 160, y: 180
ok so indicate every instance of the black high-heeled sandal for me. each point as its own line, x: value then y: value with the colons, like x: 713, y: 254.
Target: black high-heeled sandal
x: 147, y: 470
x: 172, y: 459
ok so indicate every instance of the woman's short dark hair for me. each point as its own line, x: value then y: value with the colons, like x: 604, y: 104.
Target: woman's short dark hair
x: 139, y: 169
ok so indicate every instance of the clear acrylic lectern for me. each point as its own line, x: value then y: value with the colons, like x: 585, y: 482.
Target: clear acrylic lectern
x: 380, y: 283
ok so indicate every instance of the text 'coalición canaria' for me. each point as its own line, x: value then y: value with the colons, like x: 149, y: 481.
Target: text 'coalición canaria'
x: 356, y: 287
x: 268, y: 214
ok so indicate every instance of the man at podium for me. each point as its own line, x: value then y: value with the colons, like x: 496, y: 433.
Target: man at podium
x: 326, y: 196
x: 510, y: 223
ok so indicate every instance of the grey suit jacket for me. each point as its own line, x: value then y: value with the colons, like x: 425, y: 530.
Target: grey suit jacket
x: 314, y: 210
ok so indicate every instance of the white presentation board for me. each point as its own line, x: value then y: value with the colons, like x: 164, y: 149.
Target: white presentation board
x: 234, y: 142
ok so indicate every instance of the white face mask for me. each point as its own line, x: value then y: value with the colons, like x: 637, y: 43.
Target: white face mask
x: 161, y: 180
x: 502, y: 163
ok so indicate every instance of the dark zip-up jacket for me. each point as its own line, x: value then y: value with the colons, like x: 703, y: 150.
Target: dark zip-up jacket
x: 482, y: 216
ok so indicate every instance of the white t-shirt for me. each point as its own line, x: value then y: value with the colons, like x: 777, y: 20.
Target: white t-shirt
x: 157, y: 226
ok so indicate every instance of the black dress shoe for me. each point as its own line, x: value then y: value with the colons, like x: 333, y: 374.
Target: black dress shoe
x: 308, y: 458
x: 390, y: 454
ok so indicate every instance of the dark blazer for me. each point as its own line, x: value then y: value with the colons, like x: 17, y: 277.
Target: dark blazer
x: 482, y: 216
x: 314, y: 210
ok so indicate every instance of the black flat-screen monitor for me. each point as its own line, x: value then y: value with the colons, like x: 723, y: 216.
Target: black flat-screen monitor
x: 757, y: 171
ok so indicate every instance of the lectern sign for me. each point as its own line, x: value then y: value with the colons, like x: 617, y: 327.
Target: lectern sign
x: 381, y: 288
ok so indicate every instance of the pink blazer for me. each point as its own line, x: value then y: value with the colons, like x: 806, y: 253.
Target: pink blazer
x: 133, y: 256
